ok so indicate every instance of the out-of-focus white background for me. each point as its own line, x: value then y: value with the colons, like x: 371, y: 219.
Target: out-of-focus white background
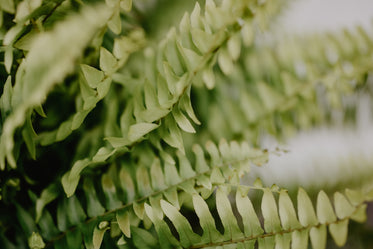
x: 325, y: 155
x: 316, y: 15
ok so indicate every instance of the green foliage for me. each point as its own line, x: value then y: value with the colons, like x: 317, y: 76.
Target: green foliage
x: 105, y: 106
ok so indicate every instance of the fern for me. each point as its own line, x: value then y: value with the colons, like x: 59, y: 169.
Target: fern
x: 104, y: 109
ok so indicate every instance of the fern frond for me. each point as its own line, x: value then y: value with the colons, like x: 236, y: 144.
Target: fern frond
x: 36, y: 77
x: 94, y: 84
x: 125, y: 193
x: 283, y: 225
x: 20, y: 39
x: 288, y: 87
x: 181, y: 58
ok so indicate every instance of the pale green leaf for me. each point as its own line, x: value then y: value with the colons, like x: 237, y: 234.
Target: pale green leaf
x: 201, y: 164
x: 71, y: 179
x: 306, y: 213
x: 123, y: 46
x: 8, y: 59
x: 195, y: 16
x: 213, y: 151
x: 258, y: 183
x: 173, y: 136
x: 12, y: 34
x: 121, y: 241
x: 234, y: 46
x: 108, y: 62
x: 324, y: 209
x: 153, y: 114
x: 225, y: 150
x: 187, y: 236
x: 360, y: 215
x: 187, y: 106
x: 172, y: 196
x: 225, y: 61
x: 339, y: 232
x: 124, y: 222
x: 299, y: 239
x: 228, y: 219
x: 64, y: 130
x: 79, y: 118
x: 118, y: 142
x: 98, y: 236
x: 102, y: 154
x: 208, y: 77
x: 318, y: 237
x: 270, y: 213
x: 204, y: 180
x: 202, y: 40
x: 287, y: 212
x: 138, y: 130
x: 192, y: 59
x: 343, y: 207
x: 188, y: 187
x: 216, y: 176
x: 36, y: 241
x: 182, y: 121
x: 138, y: 208
x: 155, y: 202
x: 207, y: 222
x: 103, y: 87
x: 92, y: 75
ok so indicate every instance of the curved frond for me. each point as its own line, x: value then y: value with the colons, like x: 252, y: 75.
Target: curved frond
x: 180, y: 60
x: 290, y: 86
x: 283, y: 225
x: 126, y: 192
